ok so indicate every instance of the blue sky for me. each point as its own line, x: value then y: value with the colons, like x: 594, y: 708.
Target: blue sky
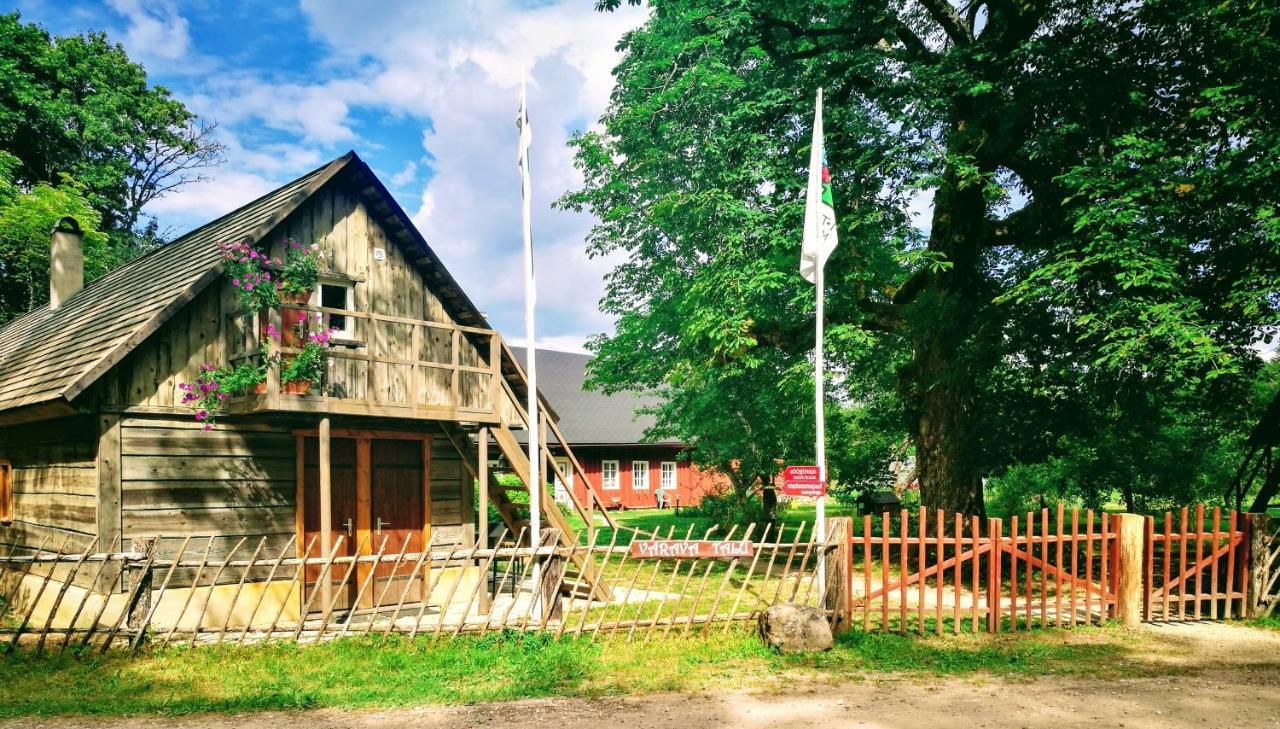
x: 425, y: 92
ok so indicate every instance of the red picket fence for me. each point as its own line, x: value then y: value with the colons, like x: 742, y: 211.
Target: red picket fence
x: 1196, y: 569
x: 932, y: 571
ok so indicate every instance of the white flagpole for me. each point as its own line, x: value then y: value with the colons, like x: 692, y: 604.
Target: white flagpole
x: 530, y: 296
x: 820, y: 449
x: 820, y: 517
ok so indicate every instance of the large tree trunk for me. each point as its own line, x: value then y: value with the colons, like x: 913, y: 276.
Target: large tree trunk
x: 941, y: 383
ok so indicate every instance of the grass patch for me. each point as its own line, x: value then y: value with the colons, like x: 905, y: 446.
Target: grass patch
x: 358, y: 673
x: 1271, y: 622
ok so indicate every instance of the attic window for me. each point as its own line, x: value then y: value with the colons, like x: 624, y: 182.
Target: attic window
x: 337, y: 296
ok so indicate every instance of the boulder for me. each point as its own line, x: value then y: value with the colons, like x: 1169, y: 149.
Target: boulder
x: 792, y: 628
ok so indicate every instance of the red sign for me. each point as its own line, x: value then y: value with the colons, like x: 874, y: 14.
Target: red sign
x: 803, y: 481
x: 689, y: 549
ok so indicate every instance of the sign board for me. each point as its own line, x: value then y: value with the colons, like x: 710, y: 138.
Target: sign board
x: 803, y: 481
x: 689, y: 549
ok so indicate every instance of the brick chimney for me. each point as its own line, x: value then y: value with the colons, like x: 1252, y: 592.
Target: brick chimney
x: 66, y: 261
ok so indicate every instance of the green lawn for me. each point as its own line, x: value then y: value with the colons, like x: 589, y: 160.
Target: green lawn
x: 359, y: 673
x: 663, y: 520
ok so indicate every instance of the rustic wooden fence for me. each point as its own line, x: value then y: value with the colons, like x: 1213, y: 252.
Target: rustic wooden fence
x: 924, y: 571
x: 1196, y: 565
x: 662, y: 584
x: 1266, y: 581
x: 929, y: 571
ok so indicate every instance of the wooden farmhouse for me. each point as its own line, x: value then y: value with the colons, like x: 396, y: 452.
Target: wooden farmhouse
x: 98, y: 450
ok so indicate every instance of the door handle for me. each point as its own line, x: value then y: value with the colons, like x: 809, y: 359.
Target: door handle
x: 346, y: 525
x: 378, y: 526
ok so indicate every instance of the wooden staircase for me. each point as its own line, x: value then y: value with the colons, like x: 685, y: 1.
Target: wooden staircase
x: 581, y: 573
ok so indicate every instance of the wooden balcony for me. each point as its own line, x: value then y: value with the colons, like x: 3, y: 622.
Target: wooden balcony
x: 383, y: 366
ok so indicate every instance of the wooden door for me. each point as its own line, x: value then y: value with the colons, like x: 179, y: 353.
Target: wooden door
x: 399, y: 510
x: 342, y: 457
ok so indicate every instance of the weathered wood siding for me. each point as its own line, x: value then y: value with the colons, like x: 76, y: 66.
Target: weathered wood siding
x: 149, y: 376
x: 239, y: 481
x: 179, y: 480
x: 55, y: 486
x: 349, y: 234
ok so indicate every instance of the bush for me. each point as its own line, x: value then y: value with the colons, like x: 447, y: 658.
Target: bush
x: 727, y: 507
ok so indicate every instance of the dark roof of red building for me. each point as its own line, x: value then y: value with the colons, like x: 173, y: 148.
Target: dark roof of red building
x: 589, y: 417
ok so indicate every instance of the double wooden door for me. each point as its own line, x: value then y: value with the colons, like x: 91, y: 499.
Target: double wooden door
x: 380, y: 502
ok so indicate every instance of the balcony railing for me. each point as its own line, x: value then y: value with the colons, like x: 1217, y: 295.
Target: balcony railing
x: 379, y: 365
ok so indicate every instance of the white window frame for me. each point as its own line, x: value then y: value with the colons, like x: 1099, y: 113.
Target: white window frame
x: 642, y: 484
x: 348, y: 329
x: 668, y: 468
x: 605, y: 482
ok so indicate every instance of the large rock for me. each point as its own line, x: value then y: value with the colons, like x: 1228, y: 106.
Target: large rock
x: 795, y: 628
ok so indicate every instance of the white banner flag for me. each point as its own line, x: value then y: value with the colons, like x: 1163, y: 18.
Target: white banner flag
x: 819, y: 210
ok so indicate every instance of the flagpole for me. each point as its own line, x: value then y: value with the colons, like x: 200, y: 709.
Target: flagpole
x: 530, y: 296
x: 820, y: 517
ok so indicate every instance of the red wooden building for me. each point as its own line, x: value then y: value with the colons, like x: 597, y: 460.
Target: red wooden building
x: 607, y: 436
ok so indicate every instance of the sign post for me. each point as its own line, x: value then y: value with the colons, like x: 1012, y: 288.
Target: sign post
x: 804, y: 481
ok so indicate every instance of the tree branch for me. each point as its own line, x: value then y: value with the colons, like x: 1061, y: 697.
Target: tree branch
x: 945, y: 15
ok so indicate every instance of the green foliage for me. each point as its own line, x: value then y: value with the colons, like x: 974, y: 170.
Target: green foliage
x: 242, y: 378
x: 26, y: 217
x: 1103, y: 249
x: 303, y: 265
x: 311, y: 364
x: 88, y: 137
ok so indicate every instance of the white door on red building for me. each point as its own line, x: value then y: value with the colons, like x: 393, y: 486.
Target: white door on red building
x: 561, y: 493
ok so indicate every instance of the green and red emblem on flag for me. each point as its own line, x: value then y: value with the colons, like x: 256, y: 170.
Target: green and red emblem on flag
x: 819, y: 212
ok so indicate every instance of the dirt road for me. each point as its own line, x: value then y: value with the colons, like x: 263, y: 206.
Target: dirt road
x: 1211, y: 676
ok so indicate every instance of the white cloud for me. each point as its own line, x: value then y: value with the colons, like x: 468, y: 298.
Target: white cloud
x: 455, y: 67
x: 405, y: 175
x: 201, y: 202
x: 459, y: 65
x: 156, y: 31
x: 568, y: 343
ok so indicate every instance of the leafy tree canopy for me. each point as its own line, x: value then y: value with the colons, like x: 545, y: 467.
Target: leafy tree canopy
x: 1102, y: 237
x: 75, y: 108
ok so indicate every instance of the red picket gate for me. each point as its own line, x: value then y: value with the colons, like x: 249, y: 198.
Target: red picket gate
x: 933, y: 571
x: 1194, y: 569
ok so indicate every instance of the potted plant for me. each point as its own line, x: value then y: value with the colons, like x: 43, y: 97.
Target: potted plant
x: 308, y: 366
x: 298, y: 274
x: 213, y: 386
x: 209, y: 393
x: 253, y: 283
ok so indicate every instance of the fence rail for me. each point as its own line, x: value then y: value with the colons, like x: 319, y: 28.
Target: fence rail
x: 170, y: 590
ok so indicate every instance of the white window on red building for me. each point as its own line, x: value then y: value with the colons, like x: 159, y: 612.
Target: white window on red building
x: 609, y: 475
x: 667, y: 476
x: 640, y: 475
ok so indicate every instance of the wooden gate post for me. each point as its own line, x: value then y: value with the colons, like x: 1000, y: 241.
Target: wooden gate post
x: 1259, y: 529
x: 839, y: 566
x: 137, y: 581
x: 1130, y: 538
